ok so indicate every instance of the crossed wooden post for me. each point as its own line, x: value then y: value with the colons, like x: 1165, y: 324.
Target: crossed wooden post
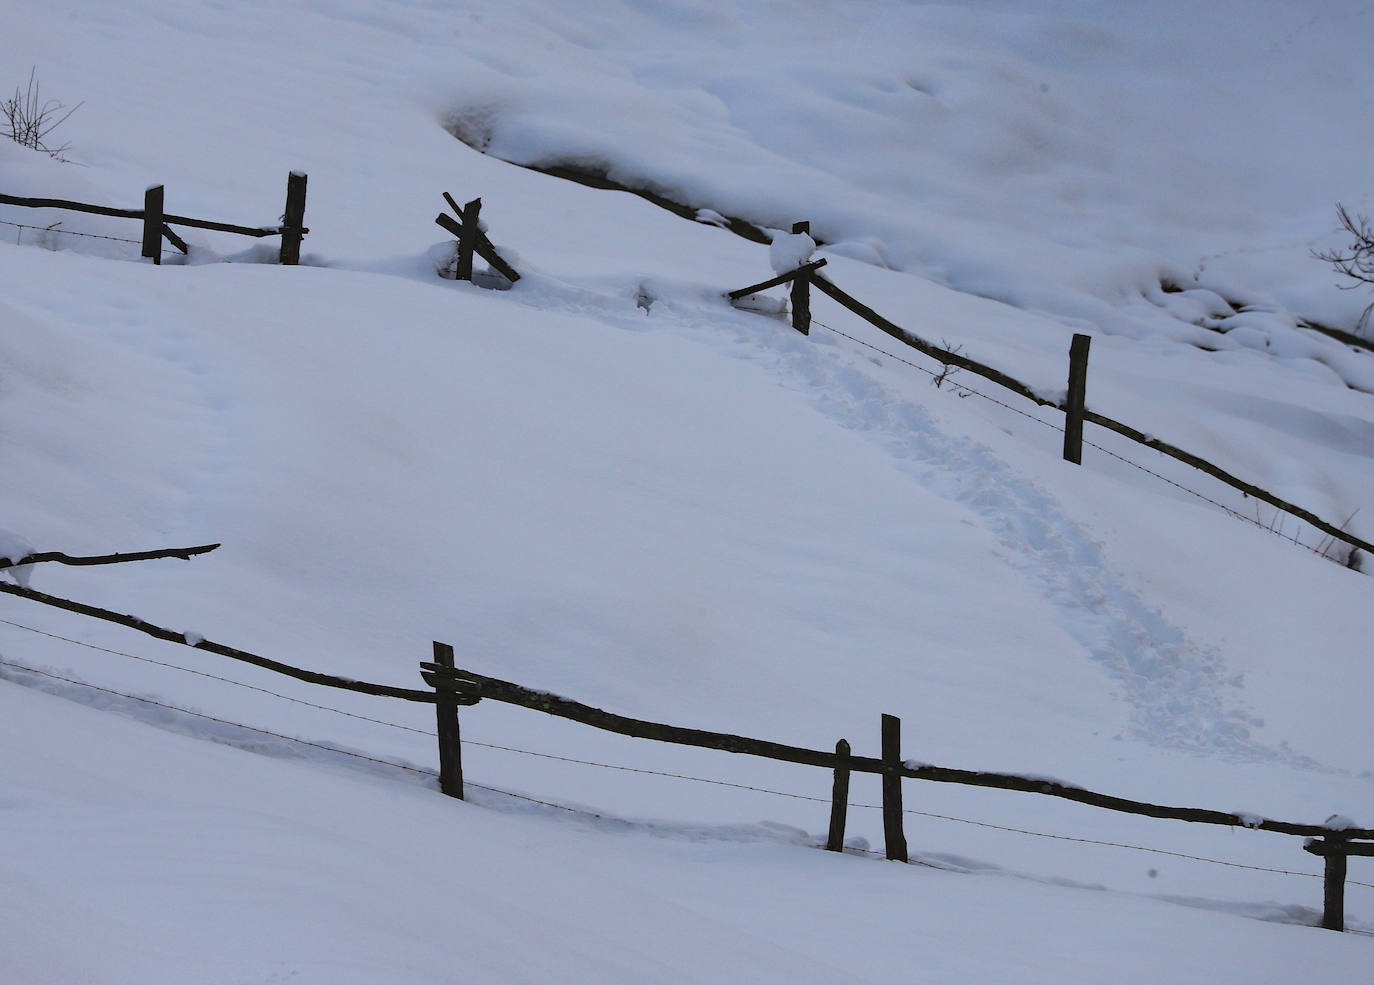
x: 471, y: 240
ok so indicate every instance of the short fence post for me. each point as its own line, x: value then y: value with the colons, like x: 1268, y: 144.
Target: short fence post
x: 152, y: 223
x: 1333, y: 903
x: 893, y: 834
x: 293, y: 222
x: 467, y: 240
x: 801, y: 291
x: 839, y: 799
x: 450, y: 745
x: 1073, y: 407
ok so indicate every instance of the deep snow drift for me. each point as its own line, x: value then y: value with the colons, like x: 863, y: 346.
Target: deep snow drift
x: 610, y: 484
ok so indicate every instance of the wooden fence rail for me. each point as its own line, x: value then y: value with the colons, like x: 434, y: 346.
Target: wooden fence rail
x: 451, y: 687
x: 156, y: 222
x: 1076, y: 413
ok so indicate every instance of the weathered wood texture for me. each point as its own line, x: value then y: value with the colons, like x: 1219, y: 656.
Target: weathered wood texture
x: 293, y: 219
x: 172, y: 636
x: 1336, y: 850
x: 450, y: 739
x: 179, y: 220
x: 894, y: 835
x: 1202, y: 465
x: 1016, y: 386
x: 467, y: 242
x: 476, y: 685
x: 483, y: 246
x: 777, y: 281
x: 1077, y: 395
x: 184, y: 553
x: 152, y: 223
x: 174, y: 239
x: 839, y: 799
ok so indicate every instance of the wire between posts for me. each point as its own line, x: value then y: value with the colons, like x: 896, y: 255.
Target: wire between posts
x: 581, y: 762
x: 965, y: 389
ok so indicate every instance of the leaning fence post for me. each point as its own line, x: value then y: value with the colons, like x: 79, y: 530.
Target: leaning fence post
x: 801, y: 290
x: 893, y: 834
x: 293, y: 220
x: 152, y: 223
x: 446, y: 720
x: 839, y: 798
x: 1073, y: 406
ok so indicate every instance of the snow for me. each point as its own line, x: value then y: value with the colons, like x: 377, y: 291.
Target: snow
x: 788, y: 251
x: 609, y: 484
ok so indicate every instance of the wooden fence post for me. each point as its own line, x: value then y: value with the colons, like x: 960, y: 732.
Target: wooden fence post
x: 293, y: 221
x: 467, y: 240
x: 893, y: 834
x: 839, y: 799
x: 152, y: 223
x: 450, y: 746
x: 1333, y: 902
x: 1073, y: 408
x: 801, y: 291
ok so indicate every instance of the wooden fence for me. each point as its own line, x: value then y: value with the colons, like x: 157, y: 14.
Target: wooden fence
x: 1073, y: 405
x: 157, y: 223
x: 451, y: 687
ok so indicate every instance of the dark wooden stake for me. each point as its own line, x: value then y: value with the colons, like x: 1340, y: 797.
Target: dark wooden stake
x: 293, y: 222
x: 152, y: 223
x: 801, y: 291
x: 467, y: 241
x: 839, y: 799
x: 1073, y: 406
x: 892, y: 789
x: 450, y: 745
x: 1333, y: 908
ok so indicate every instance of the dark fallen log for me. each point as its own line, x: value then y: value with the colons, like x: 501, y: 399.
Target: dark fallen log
x: 172, y: 636
x: 778, y: 280
x: 184, y: 553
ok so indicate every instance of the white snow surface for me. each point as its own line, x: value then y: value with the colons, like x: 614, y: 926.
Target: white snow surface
x: 610, y: 484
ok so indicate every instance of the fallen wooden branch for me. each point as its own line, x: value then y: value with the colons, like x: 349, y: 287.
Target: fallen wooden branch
x: 184, y: 553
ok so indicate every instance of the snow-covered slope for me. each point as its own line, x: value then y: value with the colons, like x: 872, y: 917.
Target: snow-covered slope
x: 609, y: 483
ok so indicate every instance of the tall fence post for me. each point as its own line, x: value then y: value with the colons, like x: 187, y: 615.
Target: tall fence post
x: 1073, y: 407
x: 152, y: 223
x: 446, y: 720
x: 1334, y: 851
x: 293, y: 221
x: 893, y: 834
x: 839, y: 799
x: 801, y: 291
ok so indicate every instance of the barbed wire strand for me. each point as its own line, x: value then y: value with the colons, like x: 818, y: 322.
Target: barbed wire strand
x: 966, y: 389
x: 72, y: 232
x: 620, y: 768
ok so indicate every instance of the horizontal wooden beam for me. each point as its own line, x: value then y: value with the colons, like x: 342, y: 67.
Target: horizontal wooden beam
x: 471, y: 684
x: 934, y: 351
x: 184, y: 553
x: 778, y: 280
x: 1216, y: 472
x: 172, y: 636
x: 179, y: 220
x: 1333, y: 845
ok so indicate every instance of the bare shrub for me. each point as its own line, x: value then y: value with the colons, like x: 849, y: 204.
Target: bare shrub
x: 31, y: 119
x: 1355, y: 261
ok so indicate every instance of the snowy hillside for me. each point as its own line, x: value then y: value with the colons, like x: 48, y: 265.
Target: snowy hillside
x: 609, y: 483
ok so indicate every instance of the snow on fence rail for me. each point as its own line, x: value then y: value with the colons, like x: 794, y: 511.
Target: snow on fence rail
x: 157, y: 223
x: 1073, y: 405
x: 451, y: 687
